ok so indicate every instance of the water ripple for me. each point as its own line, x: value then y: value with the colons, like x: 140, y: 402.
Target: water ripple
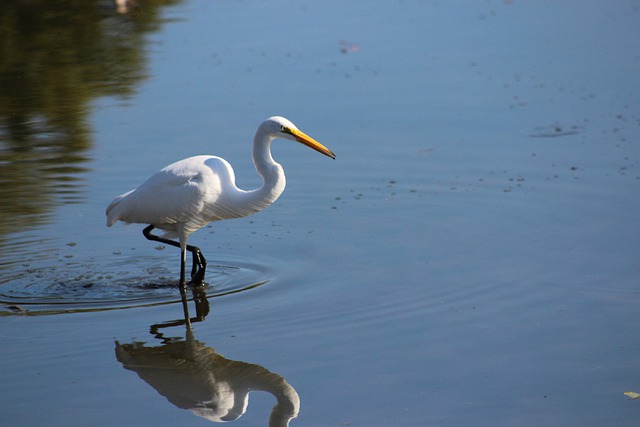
x: 82, y: 286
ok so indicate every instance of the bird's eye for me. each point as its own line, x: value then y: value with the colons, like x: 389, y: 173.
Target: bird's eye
x: 283, y: 128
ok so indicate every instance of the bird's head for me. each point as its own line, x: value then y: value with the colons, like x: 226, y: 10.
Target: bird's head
x: 280, y: 127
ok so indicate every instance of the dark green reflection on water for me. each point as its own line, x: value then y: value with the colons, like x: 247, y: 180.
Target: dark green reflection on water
x: 56, y: 57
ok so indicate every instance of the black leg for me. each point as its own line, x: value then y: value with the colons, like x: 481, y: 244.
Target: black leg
x: 183, y: 282
x: 199, y: 264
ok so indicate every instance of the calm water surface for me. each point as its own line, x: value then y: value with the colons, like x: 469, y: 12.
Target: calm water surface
x: 470, y: 258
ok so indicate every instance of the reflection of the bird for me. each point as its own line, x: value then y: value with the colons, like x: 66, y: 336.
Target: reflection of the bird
x: 193, y: 376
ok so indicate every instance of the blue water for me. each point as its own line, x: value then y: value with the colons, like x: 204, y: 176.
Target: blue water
x: 470, y: 258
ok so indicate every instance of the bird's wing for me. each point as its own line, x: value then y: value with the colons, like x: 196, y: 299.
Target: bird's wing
x: 177, y: 194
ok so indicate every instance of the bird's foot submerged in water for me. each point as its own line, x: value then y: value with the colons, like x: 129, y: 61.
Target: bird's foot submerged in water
x: 200, y: 300
x: 197, y: 281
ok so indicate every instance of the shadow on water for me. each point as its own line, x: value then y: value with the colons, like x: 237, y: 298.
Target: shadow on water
x: 196, y: 378
x: 56, y: 57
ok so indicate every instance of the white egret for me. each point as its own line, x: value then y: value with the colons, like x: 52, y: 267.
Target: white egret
x: 190, y: 193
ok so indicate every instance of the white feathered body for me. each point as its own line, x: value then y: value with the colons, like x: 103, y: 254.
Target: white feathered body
x: 187, y: 195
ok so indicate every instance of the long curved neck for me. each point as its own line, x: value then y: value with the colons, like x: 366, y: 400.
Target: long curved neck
x: 271, y: 172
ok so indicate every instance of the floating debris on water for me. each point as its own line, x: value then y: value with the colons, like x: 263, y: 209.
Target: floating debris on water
x: 632, y: 395
x: 554, y: 131
x: 348, y: 47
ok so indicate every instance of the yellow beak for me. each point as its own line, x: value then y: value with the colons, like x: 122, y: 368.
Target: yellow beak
x: 305, y: 139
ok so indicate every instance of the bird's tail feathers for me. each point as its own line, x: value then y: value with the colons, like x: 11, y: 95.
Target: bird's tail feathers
x: 115, y: 210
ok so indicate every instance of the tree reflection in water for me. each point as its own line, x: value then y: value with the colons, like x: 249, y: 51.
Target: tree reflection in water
x: 56, y: 57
